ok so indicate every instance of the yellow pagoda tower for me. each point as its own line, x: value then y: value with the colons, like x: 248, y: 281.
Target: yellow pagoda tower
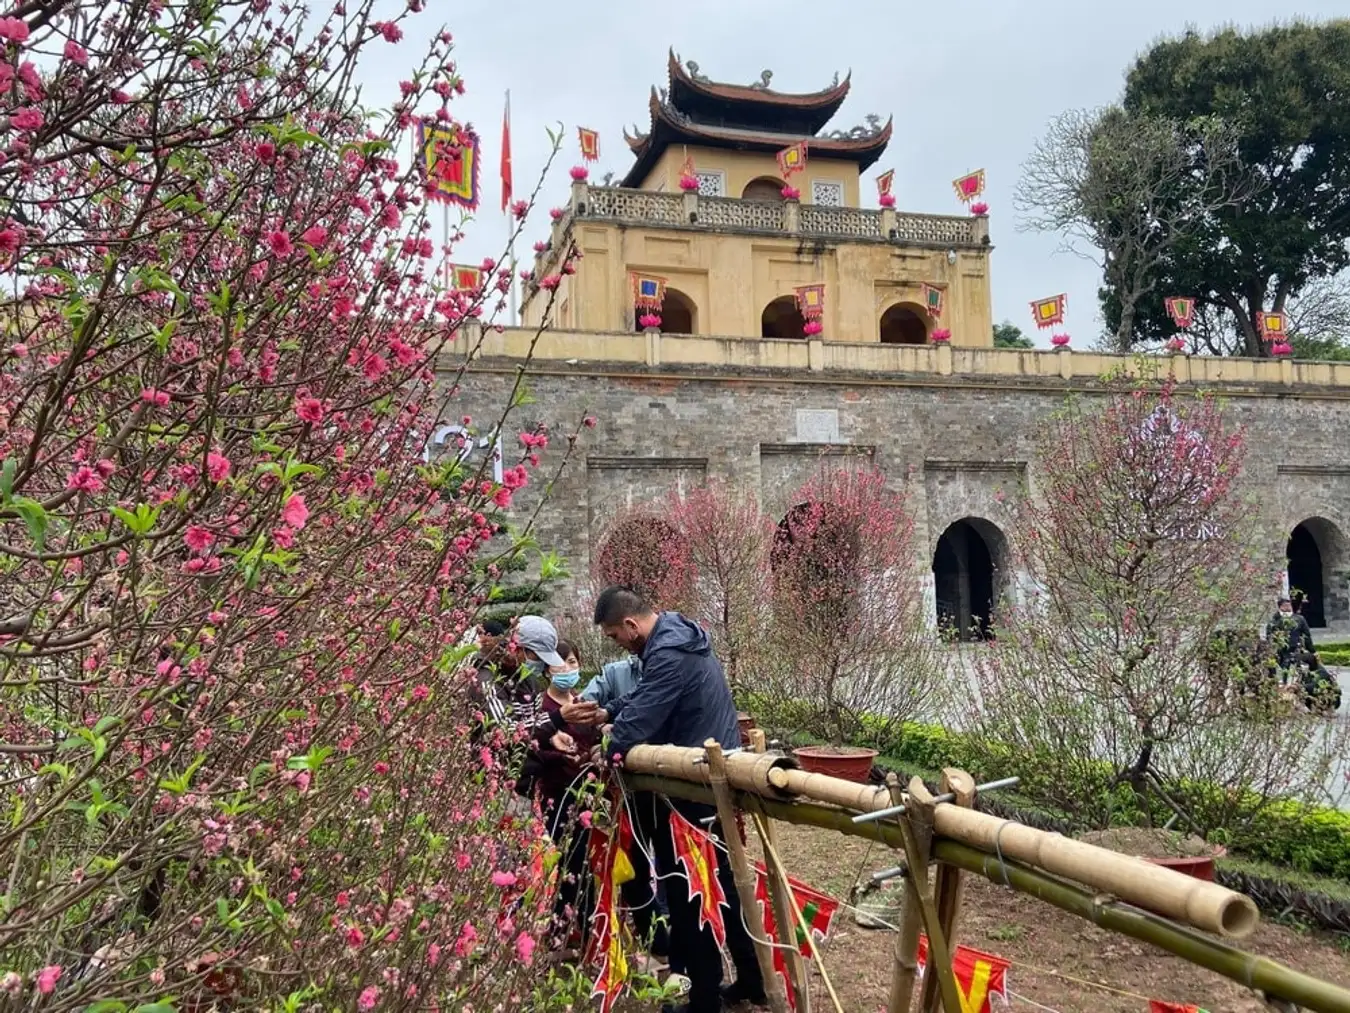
x: 707, y: 208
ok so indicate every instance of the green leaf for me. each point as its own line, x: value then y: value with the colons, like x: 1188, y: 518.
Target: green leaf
x: 164, y: 335
x: 106, y: 1006
x: 7, y: 479
x: 163, y: 1006
x: 34, y: 518
x: 180, y: 784
x: 141, y: 522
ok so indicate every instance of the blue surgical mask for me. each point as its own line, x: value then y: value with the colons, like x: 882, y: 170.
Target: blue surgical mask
x: 566, y: 680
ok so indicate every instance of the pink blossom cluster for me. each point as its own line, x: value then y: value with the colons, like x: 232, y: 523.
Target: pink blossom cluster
x: 239, y: 568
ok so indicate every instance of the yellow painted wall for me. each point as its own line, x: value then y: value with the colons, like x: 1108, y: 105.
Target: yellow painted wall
x: 731, y: 278
x: 741, y: 167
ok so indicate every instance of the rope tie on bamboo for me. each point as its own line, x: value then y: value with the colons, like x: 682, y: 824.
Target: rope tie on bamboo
x: 998, y: 852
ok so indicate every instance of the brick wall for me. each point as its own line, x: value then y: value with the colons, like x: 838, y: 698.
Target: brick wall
x: 955, y: 447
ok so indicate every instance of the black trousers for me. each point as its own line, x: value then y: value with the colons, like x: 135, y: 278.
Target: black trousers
x: 640, y: 896
x: 695, y: 948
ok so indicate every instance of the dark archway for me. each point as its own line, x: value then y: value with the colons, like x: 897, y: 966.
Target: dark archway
x: 967, y: 567
x: 1316, y: 562
x: 679, y: 314
x: 782, y: 319
x: 815, y: 560
x: 904, y: 324
x: 765, y: 188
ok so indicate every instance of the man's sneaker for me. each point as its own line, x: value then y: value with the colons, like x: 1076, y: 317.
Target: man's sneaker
x: 680, y: 984
x: 737, y: 993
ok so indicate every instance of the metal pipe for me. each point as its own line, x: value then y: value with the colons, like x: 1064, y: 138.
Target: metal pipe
x: 896, y: 810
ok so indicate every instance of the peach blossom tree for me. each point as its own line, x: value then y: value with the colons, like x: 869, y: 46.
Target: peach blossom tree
x: 233, y: 760
x: 850, y: 647
x: 1147, y: 563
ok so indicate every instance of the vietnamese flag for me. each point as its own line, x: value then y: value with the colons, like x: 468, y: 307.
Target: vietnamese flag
x: 506, y: 153
x: 1158, y: 1006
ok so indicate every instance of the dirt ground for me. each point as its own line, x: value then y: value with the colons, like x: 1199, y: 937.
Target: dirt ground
x: 1037, y: 939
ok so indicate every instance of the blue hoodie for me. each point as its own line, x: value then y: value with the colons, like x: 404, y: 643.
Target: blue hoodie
x: 682, y: 698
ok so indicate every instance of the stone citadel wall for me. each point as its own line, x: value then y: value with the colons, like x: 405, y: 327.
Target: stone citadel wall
x: 953, y: 431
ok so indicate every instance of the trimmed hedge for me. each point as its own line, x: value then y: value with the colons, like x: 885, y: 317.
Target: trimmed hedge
x: 1307, y: 838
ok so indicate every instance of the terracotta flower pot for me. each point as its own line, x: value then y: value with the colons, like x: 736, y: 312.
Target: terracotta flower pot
x: 1199, y: 867
x: 847, y: 762
x: 746, y: 722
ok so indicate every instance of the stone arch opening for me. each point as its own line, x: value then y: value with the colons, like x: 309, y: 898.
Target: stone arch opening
x: 764, y: 188
x: 679, y: 314
x: 904, y: 324
x: 1316, y: 563
x: 969, y: 567
x: 782, y: 319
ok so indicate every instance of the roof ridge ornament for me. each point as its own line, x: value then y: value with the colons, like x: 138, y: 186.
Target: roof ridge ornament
x: 692, y: 67
x: 765, y: 76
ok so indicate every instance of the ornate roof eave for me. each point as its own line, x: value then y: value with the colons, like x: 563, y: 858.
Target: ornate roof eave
x: 669, y: 126
x: 832, y: 96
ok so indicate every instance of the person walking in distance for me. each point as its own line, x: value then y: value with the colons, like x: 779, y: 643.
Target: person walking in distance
x: 682, y: 699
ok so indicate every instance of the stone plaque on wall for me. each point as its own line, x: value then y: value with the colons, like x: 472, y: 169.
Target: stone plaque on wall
x: 817, y: 425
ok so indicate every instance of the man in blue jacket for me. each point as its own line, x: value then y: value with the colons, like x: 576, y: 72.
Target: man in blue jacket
x: 682, y: 699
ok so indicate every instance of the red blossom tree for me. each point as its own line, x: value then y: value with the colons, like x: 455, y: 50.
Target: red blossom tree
x: 1144, y: 557
x: 726, y: 539
x: 643, y: 548
x: 231, y: 592
x: 850, y: 648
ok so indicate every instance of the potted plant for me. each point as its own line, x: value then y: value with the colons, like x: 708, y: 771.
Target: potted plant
x: 850, y: 655
x: 1186, y: 854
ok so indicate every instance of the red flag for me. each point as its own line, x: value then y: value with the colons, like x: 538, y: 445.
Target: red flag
x: 979, y: 976
x: 816, y: 909
x: 1158, y: 1006
x: 694, y: 849
x: 506, y: 153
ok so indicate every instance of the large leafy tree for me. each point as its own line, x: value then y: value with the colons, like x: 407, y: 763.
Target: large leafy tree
x: 1134, y: 187
x: 1285, y: 92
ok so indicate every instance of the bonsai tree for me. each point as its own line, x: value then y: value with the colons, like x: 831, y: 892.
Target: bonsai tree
x: 230, y: 589
x: 1126, y: 678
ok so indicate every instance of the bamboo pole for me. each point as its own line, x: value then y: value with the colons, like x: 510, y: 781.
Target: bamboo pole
x: 1204, y: 905
x: 906, y: 968
x: 947, y: 887
x: 745, y: 877
x: 916, y: 833
x: 799, y: 920
x: 779, y: 890
x: 1248, y: 970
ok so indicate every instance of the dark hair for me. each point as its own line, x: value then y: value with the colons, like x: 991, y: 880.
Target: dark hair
x: 566, y: 647
x: 616, y: 604
x: 493, y: 628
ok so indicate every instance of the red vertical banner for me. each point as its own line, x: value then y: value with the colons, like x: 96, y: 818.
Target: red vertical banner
x: 506, y: 153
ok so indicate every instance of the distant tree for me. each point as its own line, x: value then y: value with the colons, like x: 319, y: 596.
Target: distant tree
x: 1009, y: 335
x: 1285, y: 93
x: 1133, y: 186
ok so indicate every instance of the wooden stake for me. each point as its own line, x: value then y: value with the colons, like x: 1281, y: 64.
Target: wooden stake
x: 800, y: 920
x: 779, y: 891
x: 916, y: 825
x: 948, y: 886
x: 906, y: 968
x: 744, y: 875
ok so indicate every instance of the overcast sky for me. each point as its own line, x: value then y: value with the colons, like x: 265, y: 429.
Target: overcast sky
x: 971, y: 85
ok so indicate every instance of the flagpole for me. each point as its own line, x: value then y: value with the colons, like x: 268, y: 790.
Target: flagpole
x: 513, y: 319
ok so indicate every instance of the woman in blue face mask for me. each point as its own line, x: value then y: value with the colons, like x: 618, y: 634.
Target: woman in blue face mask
x: 558, y: 770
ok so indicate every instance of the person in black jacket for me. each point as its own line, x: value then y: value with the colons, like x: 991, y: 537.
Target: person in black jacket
x: 682, y: 700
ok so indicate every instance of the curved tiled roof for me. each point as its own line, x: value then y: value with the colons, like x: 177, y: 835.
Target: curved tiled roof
x: 669, y: 125
x: 749, y: 106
